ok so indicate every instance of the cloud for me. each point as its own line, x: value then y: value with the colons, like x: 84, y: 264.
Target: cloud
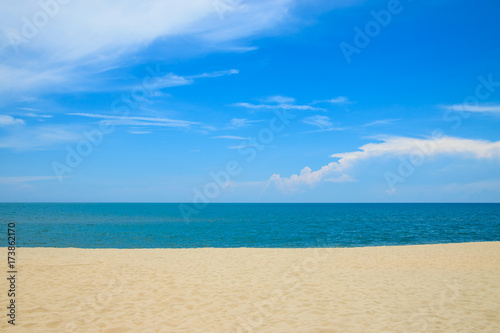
x: 28, y: 109
x: 41, y: 137
x: 474, y: 108
x: 26, y: 179
x: 380, y: 122
x: 216, y: 74
x: 139, y: 132
x: 278, y: 106
x: 391, y: 147
x: 160, y: 81
x: 8, y: 120
x: 107, y: 32
x: 279, y: 99
x: 343, y: 178
x: 323, y: 122
x: 35, y: 115
x: 230, y: 137
x: 242, y: 122
x: 337, y: 100
x: 139, y: 121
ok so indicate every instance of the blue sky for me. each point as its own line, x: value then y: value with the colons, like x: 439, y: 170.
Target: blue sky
x: 250, y: 101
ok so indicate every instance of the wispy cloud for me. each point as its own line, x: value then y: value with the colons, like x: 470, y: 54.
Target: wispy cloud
x: 117, y: 31
x: 43, y: 137
x: 279, y: 99
x: 28, y: 109
x: 474, y: 108
x: 380, y: 122
x: 391, y: 146
x: 139, y: 121
x: 279, y: 106
x: 323, y: 122
x: 215, y: 74
x: 139, y: 132
x: 35, y: 115
x: 242, y: 122
x: 336, y: 100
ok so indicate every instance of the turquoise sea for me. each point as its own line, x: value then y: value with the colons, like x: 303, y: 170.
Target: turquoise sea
x: 162, y: 225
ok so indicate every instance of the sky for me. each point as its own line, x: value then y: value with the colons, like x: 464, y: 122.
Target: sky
x: 201, y: 101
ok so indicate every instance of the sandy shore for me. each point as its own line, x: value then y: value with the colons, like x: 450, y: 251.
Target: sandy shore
x: 427, y: 288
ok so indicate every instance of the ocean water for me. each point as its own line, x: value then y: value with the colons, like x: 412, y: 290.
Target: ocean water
x: 157, y: 225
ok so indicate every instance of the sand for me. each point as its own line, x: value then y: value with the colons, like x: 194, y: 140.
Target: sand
x: 425, y: 288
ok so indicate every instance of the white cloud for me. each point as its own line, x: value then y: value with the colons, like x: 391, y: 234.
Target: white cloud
x: 279, y: 99
x: 392, y: 146
x: 28, y: 109
x: 26, y: 179
x: 139, y: 121
x: 323, y: 122
x: 474, y: 108
x: 8, y: 120
x: 41, y: 137
x: 336, y: 100
x: 381, y: 122
x: 242, y: 122
x: 279, y: 106
x: 343, y: 178
x: 82, y: 38
x: 216, y: 74
x: 139, y: 132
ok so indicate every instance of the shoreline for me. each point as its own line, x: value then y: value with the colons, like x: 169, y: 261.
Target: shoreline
x: 413, y: 288
x: 244, y: 247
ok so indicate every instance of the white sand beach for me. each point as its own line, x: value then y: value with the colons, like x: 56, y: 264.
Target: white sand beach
x: 425, y: 288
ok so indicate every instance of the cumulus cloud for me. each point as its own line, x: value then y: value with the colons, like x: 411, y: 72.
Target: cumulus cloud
x: 391, y: 146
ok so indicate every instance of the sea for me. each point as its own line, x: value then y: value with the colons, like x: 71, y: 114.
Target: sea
x: 224, y: 225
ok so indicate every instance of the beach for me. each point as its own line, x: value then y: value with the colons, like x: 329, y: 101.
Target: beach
x: 418, y: 288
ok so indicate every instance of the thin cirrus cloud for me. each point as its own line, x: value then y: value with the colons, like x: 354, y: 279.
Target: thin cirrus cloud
x: 380, y: 122
x: 323, y: 122
x: 107, y: 32
x: 169, y: 80
x: 242, y: 122
x: 336, y: 100
x: 279, y: 99
x: 42, y: 137
x: 392, y: 146
x: 473, y: 108
x: 278, y: 106
x: 139, y: 121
